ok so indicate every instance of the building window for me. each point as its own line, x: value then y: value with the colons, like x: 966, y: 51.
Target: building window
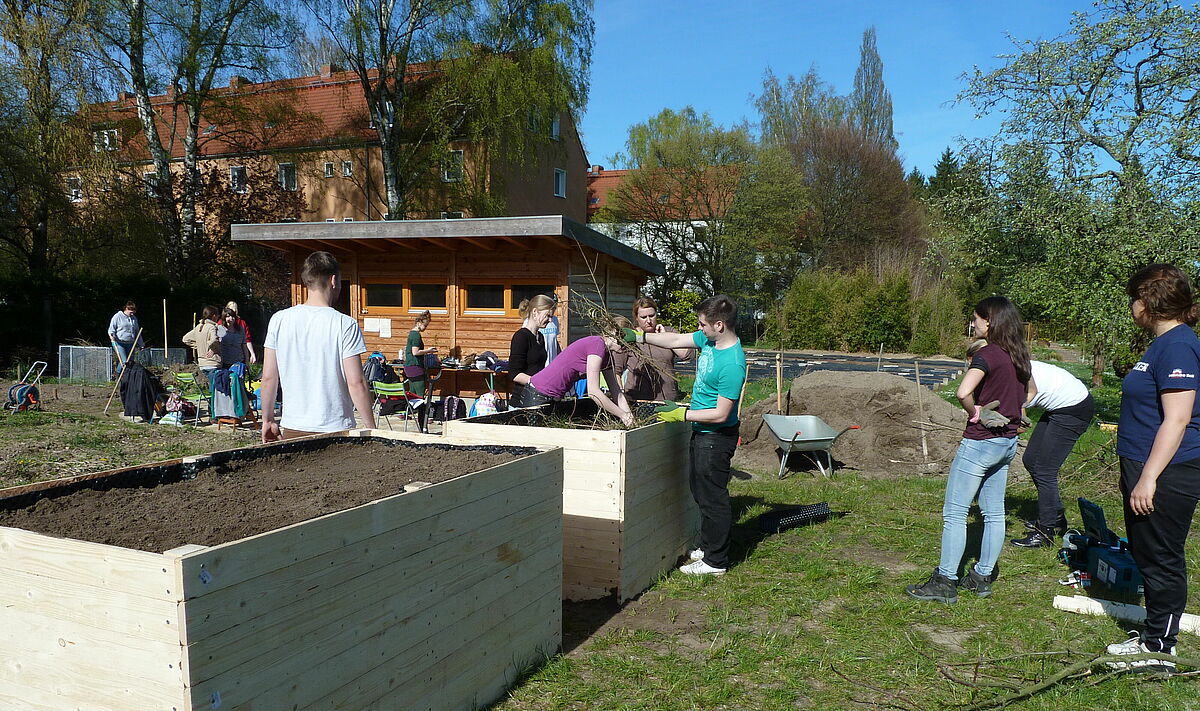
x: 484, y: 298
x: 347, y: 169
x: 383, y: 295
x: 498, y: 299
x: 237, y: 178
x: 452, y: 215
x: 395, y: 299
x: 150, y: 181
x: 210, y: 128
x: 520, y: 292
x: 328, y: 169
x: 287, y: 176
x: 105, y: 140
x: 556, y: 128
x: 75, y: 189
x: 427, y: 296
x: 452, y: 172
x: 560, y: 183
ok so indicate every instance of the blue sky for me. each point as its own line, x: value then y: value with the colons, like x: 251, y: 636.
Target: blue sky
x: 656, y: 54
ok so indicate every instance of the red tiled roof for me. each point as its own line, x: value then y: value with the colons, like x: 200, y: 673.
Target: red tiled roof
x: 599, y: 183
x: 307, y: 111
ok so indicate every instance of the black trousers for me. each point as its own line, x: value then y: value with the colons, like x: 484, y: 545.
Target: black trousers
x: 1156, y: 542
x: 710, y: 454
x: 1052, y: 440
x: 527, y: 396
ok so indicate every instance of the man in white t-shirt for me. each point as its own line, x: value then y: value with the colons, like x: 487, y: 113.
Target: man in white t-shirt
x: 314, y: 352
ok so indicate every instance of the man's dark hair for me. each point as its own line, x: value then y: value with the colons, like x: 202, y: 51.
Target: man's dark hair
x: 129, y: 305
x: 719, y: 308
x: 318, y: 267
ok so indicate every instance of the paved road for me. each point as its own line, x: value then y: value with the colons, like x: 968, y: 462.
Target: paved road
x: 934, y: 373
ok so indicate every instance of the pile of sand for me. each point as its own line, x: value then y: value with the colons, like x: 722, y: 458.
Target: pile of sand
x: 885, y: 407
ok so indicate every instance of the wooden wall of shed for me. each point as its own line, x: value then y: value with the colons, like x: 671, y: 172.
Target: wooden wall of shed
x: 582, y: 277
x: 599, y: 280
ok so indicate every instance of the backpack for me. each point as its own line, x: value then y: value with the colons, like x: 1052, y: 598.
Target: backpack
x: 485, y: 404
x: 452, y: 408
x: 376, y: 370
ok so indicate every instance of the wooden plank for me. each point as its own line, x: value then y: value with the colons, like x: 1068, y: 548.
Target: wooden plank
x: 120, y: 569
x: 578, y: 440
x: 401, y: 637
x: 315, y: 576
x: 231, y: 563
x: 88, y: 668
x: 99, y: 607
x: 274, y: 633
x: 462, y: 682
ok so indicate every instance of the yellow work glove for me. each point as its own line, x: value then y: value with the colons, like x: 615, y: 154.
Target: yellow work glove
x: 675, y: 415
x: 630, y: 335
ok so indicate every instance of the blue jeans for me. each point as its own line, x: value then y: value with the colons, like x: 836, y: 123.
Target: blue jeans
x: 980, y: 468
x: 122, y: 349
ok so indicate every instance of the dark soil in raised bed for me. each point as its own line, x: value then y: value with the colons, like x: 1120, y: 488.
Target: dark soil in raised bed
x: 228, y: 501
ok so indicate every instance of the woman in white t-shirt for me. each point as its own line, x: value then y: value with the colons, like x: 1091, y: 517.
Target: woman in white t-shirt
x: 1068, y: 409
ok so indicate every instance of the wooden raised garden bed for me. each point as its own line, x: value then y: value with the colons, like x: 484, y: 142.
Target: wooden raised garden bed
x: 628, y: 513
x: 436, y: 597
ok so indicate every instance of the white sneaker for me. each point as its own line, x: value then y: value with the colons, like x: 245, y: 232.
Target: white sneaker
x: 697, y: 554
x: 1134, y: 645
x: 699, y: 567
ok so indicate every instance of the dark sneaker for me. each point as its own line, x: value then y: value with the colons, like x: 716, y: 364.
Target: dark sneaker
x: 981, y: 585
x: 1035, y: 538
x: 938, y: 587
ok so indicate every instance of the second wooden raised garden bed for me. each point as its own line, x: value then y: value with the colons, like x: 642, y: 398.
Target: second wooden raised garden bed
x: 628, y: 513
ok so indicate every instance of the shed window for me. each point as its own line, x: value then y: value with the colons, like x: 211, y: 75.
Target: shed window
x: 383, y: 295
x: 75, y: 189
x: 485, y: 296
x: 520, y: 292
x: 452, y: 171
x: 328, y: 169
x: 347, y: 169
x: 427, y: 296
x: 237, y: 178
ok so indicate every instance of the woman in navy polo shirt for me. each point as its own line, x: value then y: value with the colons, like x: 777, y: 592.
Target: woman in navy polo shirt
x: 999, y: 373
x: 1158, y: 441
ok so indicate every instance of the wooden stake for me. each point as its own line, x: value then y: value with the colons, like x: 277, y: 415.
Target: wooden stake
x: 137, y: 339
x: 165, y: 339
x: 921, y: 411
x: 779, y: 383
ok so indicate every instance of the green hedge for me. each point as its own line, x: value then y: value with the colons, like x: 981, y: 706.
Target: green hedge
x: 826, y: 310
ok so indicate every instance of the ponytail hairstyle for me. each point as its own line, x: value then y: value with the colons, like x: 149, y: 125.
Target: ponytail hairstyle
x: 1166, y: 292
x: 1006, y: 330
x: 210, y: 313
x: 423, y: 318
x: 541, y: 302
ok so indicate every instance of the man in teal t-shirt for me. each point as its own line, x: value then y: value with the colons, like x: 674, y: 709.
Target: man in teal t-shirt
x: 720, y: 374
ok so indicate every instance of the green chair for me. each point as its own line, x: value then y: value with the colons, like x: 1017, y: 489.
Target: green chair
x: 192, y: 391
x: 412, y: 408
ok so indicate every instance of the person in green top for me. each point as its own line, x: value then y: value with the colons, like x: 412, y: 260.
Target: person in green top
x: 414, y: 355
x: 720, y: 374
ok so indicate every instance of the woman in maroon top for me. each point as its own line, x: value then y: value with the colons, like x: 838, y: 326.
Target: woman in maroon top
x: 999, y: 375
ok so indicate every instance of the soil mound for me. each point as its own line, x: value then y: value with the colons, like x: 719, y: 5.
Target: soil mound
x: 885, y: 406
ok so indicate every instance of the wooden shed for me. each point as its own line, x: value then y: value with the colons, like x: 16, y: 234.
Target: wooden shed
x: 471, y: 274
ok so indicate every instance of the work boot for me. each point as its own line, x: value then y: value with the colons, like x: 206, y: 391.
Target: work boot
x: 981, y: 585
x: 938, y: 587
x: 1034, y: 538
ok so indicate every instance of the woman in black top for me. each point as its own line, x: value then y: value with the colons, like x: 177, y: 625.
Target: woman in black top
x: 527, y: 352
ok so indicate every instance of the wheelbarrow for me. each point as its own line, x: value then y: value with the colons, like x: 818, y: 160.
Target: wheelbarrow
x: 804, y: 433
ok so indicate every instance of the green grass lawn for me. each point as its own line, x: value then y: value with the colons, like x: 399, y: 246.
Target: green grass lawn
x: 817, y: 617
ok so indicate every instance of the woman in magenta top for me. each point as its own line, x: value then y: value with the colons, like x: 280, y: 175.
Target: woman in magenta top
x: 586, y: 357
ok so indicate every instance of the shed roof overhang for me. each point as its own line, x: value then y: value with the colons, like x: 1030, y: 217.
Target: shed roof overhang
x: 487, y: 233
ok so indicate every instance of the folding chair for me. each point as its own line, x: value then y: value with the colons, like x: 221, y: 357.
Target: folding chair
x: 192, y: 391
x: 412, y: 404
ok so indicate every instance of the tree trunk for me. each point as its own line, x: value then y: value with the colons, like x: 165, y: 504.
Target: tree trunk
x: 1097, y: 364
